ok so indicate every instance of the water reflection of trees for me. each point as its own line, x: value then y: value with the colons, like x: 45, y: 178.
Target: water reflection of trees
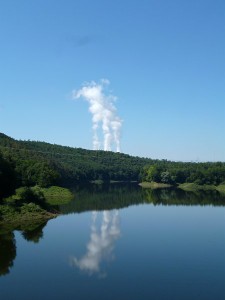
x: 7, y: 252
x: 116, y: 196
x: 32, y: 232
x: 35, y: 234
x: 101, y: 197
x: 180, y: 197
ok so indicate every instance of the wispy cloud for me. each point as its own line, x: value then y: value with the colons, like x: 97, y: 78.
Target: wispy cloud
x: 84, y: 40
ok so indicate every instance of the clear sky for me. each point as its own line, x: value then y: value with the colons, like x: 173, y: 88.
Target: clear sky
x: 165, y: 60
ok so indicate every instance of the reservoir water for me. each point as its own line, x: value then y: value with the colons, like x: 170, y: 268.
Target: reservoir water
x: 120, y: 242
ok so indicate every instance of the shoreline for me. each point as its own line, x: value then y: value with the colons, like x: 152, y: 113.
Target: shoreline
x: 188, y: 187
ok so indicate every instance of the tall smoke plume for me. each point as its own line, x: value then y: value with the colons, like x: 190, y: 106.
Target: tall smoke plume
x: 101, y: 244
x: 104, y: 114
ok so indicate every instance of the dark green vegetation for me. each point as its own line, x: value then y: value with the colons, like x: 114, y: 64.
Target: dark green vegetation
x: 56, y: 195
x: 14, y: 216
x: 37, y: 165
x: 29, y: 163
x: 177, y: 173
x: 26, y: 205
x: 33, y: 203
x: 43, y: 164
x: 31, y: 230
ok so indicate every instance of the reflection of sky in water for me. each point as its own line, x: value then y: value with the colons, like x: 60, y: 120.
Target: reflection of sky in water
x: 101, y: 244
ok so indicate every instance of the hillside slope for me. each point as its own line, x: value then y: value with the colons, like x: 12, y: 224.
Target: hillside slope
x: 28, y: 163
x: 45, y: 164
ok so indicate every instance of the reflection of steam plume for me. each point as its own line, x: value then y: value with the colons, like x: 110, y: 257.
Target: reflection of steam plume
x: 103, y: 111
x: 101, y: 243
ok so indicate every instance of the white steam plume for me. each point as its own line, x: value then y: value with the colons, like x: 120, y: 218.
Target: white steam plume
x: 101, y: 244
x: 103, y: 113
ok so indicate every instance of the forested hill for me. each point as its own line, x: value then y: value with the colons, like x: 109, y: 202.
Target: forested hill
x: 28, y: 163
x: 46, y: 164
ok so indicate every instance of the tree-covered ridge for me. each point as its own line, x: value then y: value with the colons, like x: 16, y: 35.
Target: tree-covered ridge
x: 90, y: 164
x: 29, y: 167
x: 29, y: 163
x: 7, y: 177
x: 47, y: 164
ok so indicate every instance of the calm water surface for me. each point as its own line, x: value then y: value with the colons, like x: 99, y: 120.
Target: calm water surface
x: 120, y: 242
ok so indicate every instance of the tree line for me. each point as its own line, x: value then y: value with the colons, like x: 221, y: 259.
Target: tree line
x: 209, y: 173
x: 29, y: 163
x: 39, y: 163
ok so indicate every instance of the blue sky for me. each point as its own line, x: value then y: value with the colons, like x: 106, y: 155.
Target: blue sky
x: 165, y: 61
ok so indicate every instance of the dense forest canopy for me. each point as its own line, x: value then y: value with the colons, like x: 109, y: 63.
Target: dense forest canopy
x: 46, y: 164
x: 28, y: 163
x: 179, y: 172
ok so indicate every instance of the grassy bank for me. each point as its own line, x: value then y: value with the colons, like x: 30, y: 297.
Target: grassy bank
x: 26, y: 213
x: 154, y: 185
x: 196, y: 187
x: 189, y: 187
x: 221, y: 188
x: 192, y: 187
x: 56, y: 195
x: 33, y: 204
